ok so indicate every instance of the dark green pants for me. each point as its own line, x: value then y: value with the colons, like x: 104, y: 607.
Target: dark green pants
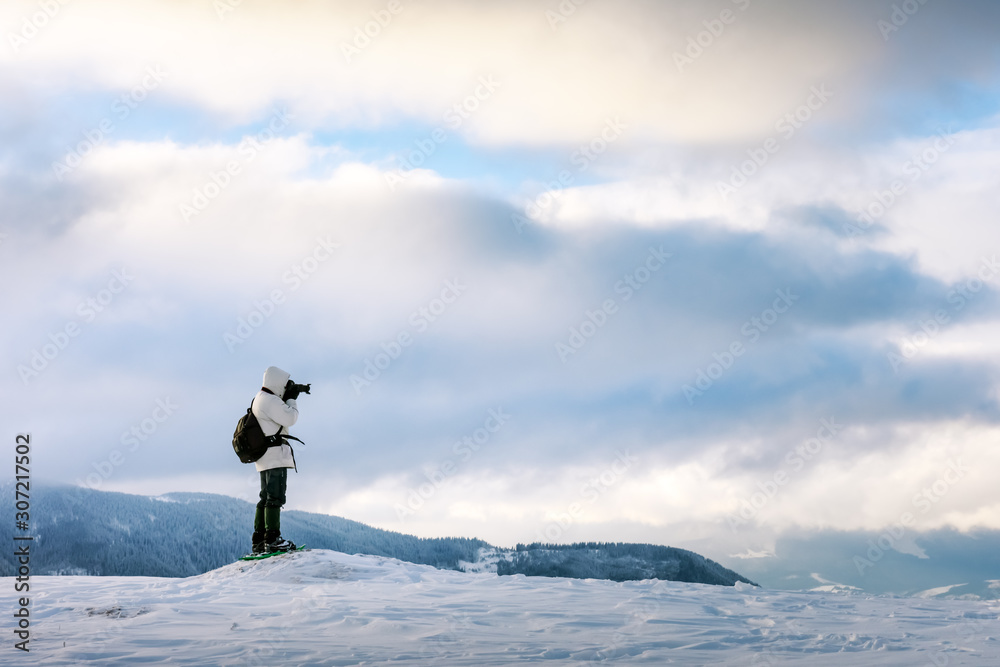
x: 272, y: 496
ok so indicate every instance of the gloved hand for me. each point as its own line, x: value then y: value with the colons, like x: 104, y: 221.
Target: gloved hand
x: 293, y: 390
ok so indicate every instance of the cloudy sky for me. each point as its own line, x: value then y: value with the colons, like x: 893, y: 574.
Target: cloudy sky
x: 693, y: 273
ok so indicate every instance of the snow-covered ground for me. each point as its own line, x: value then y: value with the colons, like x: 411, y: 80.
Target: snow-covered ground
x: 327, y: 608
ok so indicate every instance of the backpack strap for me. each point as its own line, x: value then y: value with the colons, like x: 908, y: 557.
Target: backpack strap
x: 279, y: 437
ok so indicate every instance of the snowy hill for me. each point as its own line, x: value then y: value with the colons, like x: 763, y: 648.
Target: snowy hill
x: 326, y: 608
x: 82, y: 531
x: 85, y: 532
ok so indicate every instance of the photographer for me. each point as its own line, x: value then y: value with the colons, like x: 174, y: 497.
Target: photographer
x: 275, y: 409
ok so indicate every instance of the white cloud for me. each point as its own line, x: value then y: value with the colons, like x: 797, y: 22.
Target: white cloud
x: 938, y: 475
x: 555, y: 85
x: 944, y: 214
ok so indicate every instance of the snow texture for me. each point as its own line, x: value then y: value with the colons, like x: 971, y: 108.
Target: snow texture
x: 322, y: 607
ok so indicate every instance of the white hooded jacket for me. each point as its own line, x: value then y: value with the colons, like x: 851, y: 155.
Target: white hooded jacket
x: 275, y: 414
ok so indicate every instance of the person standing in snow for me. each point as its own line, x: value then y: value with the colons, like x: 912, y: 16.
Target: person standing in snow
x: 275, y: 409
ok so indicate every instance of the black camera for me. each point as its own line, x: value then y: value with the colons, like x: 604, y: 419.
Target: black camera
x: 292, y: 390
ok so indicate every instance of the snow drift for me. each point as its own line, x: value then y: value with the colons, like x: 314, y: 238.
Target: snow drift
x: 323, y: 607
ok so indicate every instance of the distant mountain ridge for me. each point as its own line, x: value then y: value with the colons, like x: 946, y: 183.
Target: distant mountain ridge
x: 616, y: 561
x: 81, y: 531
x: 86, y: 532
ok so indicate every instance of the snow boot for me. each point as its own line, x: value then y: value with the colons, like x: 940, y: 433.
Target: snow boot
x: 280, y: 544
x: 272, y: 534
